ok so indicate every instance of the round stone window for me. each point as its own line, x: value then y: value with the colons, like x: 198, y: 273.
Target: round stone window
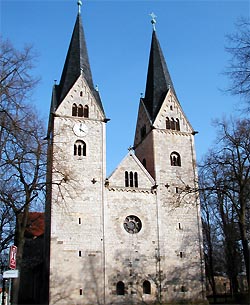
x: 132, y: 224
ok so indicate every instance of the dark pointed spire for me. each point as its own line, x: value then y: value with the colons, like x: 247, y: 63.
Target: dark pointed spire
x: 158, y: 79
x: 77, y: 62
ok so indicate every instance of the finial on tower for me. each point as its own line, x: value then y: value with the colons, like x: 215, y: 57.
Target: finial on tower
x: 153, y: 20
x: 79, y: 3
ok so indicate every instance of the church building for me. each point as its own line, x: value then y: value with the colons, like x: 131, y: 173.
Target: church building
x: 133, y: 237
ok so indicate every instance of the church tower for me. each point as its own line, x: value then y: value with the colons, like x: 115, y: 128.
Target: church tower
x: 164, y: 143
x: 76, y: 171
x: 133, y: 237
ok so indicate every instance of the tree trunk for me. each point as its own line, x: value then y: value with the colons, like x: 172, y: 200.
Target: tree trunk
x: 21, y: 223
x: 246, y: 252
x: 211, y: 271
x: 244, y: 240
x: 210, y: 260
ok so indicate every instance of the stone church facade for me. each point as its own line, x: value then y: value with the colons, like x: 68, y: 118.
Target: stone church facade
x: 133, y: 237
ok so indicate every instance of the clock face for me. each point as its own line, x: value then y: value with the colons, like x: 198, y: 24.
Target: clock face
x: 80, y: 129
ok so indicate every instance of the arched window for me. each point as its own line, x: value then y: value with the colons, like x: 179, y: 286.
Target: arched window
x: 79, y: 148
x: 120, y: 288
x: 167, y: 123
x: 86, y: 111
x: 74, y: 110
x: 136, y: 179
x: 131, y: 179
x: 81, y: 93
x: 144, y: 163
x: 126, y: 179
x: 172, y: 124
x: 177, y: 124
x: 146, y: 287
x: 175, y: 159
x: 80, y: 110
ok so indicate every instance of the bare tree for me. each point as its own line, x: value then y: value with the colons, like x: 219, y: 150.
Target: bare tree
x: 209, y: 231
x: 220, y: 229
x: 22, y: 148
x: 16, y: 79
x: 227, y: 170
x: 238, y: 69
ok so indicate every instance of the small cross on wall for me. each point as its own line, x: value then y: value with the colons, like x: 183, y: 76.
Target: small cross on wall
x: 93, y: 181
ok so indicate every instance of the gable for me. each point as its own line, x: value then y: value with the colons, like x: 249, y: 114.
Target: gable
x: 80, y: 95
x: 171, y: 116
x: 133, y: 167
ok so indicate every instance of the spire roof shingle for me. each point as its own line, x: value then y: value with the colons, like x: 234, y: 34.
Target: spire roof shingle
x: 77, y: 62
x: 158, y: 79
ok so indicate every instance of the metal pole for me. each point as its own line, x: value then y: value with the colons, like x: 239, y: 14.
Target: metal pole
x: 9, y: 294
x: 3, y: 293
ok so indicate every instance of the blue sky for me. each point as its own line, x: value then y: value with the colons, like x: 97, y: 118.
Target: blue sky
x: 118, y: 35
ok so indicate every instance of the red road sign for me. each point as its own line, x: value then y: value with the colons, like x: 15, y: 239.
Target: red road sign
x: 12, y: 260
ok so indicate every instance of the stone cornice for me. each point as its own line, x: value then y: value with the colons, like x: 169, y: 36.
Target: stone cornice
x: 129, y: 189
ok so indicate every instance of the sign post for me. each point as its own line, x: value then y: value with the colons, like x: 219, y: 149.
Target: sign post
x: 10, y: 291
x: 10, y: 274
x: 13, y: 273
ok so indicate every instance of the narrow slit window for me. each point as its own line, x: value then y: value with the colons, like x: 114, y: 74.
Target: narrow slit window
x: 74, y: 110
x: 80, y: 110
x: 167, y: 123
x: 79, y: 150
x: 126, y: 179
x: 75, y: 149
x: 79, y: 220
x: 131, y: 179
x: 80, y: 291
x: 120, y: 288
x: 146, y: 287
x: 172, y: 124
x: 80, y: 253
x: 136, y: 179
x: 86, y: 111
x: 144, y: 163
x: 177, y: 124
x: 84, y: 149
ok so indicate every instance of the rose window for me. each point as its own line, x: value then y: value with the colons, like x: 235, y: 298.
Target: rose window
x: 132, y: 224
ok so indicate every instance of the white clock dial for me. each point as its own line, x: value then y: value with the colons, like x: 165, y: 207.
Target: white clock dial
x: 80, y: 129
